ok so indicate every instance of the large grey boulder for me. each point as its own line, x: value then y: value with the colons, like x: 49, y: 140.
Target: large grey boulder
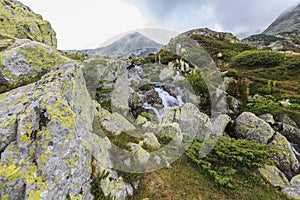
x: 249, y: 126
x: 284, y: 157
x: 294, y: 190
x: 27, y: 60
x: 274, y: 176
x: 48, y: 148
x: 193, y: 122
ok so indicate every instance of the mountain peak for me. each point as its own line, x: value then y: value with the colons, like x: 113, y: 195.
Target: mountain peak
x: 132, y: 44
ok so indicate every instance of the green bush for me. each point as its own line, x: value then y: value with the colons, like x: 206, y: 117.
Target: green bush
x: 200, y: 88
x: 256, y: 59
x: 259, y: 106
x: 239, y: 89
x: 167, y: 56
x: 130, y: 177
x: 229, y: 157
x: 226, y: 47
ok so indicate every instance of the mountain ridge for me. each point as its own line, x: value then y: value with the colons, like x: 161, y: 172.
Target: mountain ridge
x: 133, y: 44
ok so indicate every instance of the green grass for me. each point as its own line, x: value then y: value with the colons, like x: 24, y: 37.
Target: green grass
x: 185, y: 181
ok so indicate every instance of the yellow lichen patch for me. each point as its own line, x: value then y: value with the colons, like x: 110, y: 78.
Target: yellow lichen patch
x: 75, y: 197
x: 30, y: 174
x: 10, y: 172
x: 43, y: 158
x: 41, y: 183
x: 31, y: 150
x: 48, y: 153
x: 34, y: 195
x: 24, y: 138
x: 72, y: 161
x: 62, y: 112
x: 5, y: 197
x: 10, y: 122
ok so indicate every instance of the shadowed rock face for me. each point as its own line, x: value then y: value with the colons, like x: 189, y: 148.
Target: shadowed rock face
x: 288, y: 21
x: 19, y: 21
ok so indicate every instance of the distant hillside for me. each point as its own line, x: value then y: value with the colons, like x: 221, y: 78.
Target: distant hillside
x: 133, y: 44
x: 288, y: 21
x: 283, y: 34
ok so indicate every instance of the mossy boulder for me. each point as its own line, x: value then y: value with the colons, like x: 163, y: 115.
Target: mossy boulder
x: 25, y: 62
x: 18, y: 21
x: 249, y: 126
x: 274, y: 176
x: 49, y: 149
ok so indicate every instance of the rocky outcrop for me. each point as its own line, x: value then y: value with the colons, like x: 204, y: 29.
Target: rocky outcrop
x: 25, y: 61
x: 274, y: 176
x: 250, y: 127
x: 48, y: 148
x: 18, y: 21
x: 294, y: 190
x: 284, y: 157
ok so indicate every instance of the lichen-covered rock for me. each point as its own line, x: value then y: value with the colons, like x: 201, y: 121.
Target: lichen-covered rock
x: 285, y: 157
x: 48, y: 148
x: 116, y: 123
x: 19, y: 21
x: 170, y: 130
x: 268, y: 118
x: 151, y: 141
x: 193, y: 122
x: 25, y: 61
x: 219, y: 124
x: 287, y: 120
x: 250, y: 127
x: 169, y: 114
x: 142, y: 155
x: 274, y: 176
x: 294, y: 190
x: 295, y: 182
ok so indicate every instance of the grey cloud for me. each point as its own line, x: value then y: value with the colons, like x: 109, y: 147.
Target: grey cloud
x: 230, y: 15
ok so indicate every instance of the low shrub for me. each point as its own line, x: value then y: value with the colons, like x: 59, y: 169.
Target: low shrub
x: 229, y: 157
x: 257, y: 58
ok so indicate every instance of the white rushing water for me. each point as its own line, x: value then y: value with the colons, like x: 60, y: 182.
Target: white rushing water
x: 294, y: 150
x: 138, y: 69
x: 167, y: 101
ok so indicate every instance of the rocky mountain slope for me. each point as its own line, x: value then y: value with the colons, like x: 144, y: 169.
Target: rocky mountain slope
x: 282, y: 34
x: 132, y: 44
x: 287, y: 22
x: 19, y: 21
x: 91, y: 129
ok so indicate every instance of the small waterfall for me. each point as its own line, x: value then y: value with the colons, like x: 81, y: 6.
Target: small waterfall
x: 167, y: 101
x: 138, y: 69
x: 294, y: 150
x: 158, y: 113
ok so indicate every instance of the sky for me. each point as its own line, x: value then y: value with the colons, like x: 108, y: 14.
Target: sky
x: 83, y: 24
